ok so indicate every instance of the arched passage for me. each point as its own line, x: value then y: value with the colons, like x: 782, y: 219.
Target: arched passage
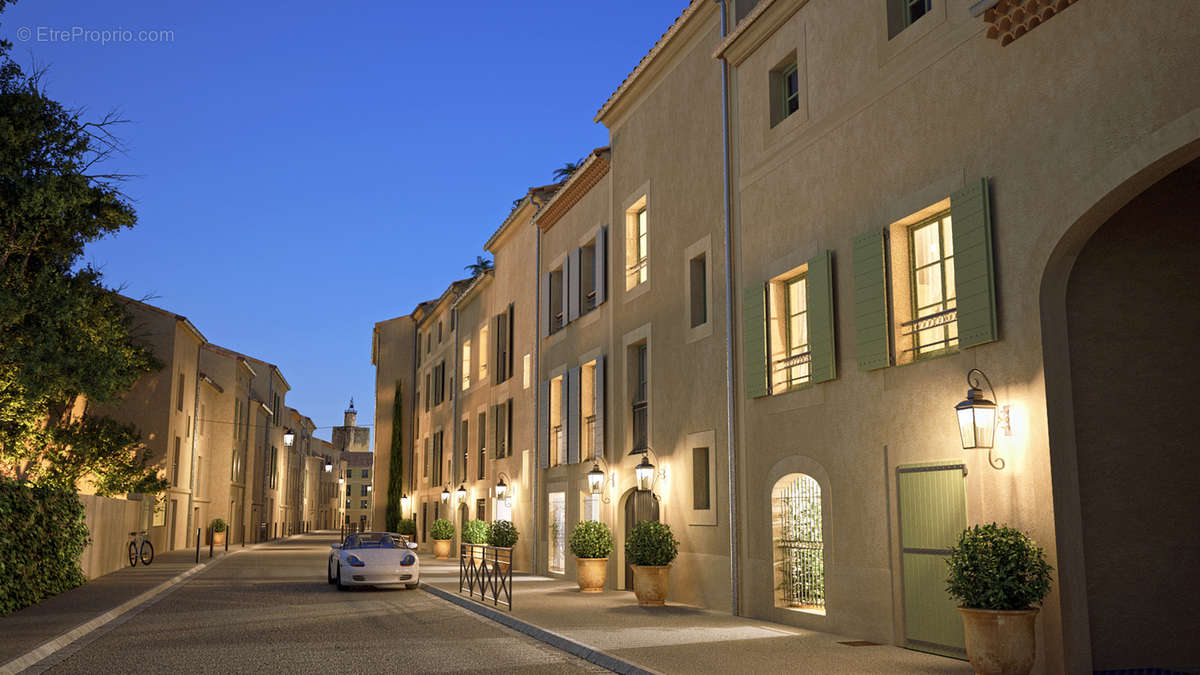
x: 1133, y: 326
x: 796, y: 530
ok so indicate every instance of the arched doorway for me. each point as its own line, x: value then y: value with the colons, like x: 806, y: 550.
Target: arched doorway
x: 1133, y: 324
x: 799, y: 549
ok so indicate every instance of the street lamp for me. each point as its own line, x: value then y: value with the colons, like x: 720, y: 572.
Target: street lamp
x: 645, y: 473
x: 461, y: 493
x: 977, y: 417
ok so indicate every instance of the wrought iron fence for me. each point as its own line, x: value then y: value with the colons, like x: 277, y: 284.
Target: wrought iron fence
x: 801, y: 549
x: 486, y: 571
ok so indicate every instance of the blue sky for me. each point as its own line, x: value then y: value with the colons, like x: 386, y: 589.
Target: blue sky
x: 303, y: 174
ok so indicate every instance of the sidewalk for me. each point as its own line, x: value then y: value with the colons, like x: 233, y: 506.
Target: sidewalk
x: 680, y: 638
x: 29, y: 628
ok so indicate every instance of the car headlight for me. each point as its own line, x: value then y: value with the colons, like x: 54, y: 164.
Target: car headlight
x: 353, y: 561
x: 408, y: 559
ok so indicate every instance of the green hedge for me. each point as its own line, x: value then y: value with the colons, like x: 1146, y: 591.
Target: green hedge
x: 42, y: 535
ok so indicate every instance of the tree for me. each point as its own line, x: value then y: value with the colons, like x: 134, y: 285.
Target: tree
x: 566, y: 170
x: 65, y: 342
x: 395, y: 468
x: 480, y: 266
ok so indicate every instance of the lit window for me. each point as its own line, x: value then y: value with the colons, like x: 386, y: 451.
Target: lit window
x: 932, y: 274
x: 483, y: 362
x: 790, y: 355
x: 466, y: 364
x: 637, y: 246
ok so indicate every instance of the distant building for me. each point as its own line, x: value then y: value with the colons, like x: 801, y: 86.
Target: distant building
x: 350, y: 437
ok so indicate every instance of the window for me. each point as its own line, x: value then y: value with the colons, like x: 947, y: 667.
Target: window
x: 175, y: 463
x: 741, y: 8
x: 362, y: 489
x: 558, y: 430
x: 526, y: 371
x: 641, y: 404
x: 348, y: 503
x: 429, y: 343
x: 179, y: 398
x: 790, y: 355
x: 466, y: 452
x: 482, y: 443
x: 483, y: 357
x: 436, y: 478
x: 637, y: 247
x: 557, y: 506
x: 237, y: 419
x: 587, y: 278
x: 273, y: 470
x: 587, y: 409
x: 425, y: 472
x: 466, y: 364
x: 439, y: 332
x: 439, y: 383
x: 362, y: 504
x: 504, y: 344
x: 701, y: 499
x: 366, y: 473
x: 799, y: 547
x: 418, y: 349
x: 591, y: 507
x: 428, y: 391
x: 349, y: 473
x: 698, y: 273
x: 931, y: 270
x: 785, y: 90
x: 557, y: 316
x: 481, y: 509
x: 502, y: 424
x: 904, y: 13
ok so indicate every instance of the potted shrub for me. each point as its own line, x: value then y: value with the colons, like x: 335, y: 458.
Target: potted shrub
x: 475, y: 535
x: 591, y: 542
x: 650, y: 548
x: 502, y: 534
x: 442, y: 531
x: 407, y: 527
x: 218, y: 532
x: 998, y: 574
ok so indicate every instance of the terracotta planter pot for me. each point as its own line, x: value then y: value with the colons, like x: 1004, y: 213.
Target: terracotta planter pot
x: 590, y: 574
x: 441, y: 549
x: 651, y: 583
x: 218, y: 538
x: 1000, y: 642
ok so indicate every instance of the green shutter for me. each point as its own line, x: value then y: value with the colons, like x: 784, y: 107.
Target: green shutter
x: 820, y: 317
x: 974, y: 273
x: 871, y: 330
x: 754, y: 340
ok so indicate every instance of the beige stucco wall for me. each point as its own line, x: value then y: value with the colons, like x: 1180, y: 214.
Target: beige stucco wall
x: 666, y: 146
x: 392, y: 354
x: 887, y: 129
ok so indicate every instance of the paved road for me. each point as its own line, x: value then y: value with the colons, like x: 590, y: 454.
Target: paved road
x: 270, y: 610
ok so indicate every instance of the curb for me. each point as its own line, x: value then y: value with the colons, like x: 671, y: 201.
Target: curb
x: 147, y: 598
x: 585, y: 652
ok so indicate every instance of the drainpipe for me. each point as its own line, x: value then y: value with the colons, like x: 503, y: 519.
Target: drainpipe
x: 536, y: 470
x: 729, y: 402
x: 195, y: 425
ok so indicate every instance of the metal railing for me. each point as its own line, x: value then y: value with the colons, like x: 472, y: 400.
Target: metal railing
x: 589, y: 301
x: 634, y: 271
x: 940, y: 319
x: 486, y: 571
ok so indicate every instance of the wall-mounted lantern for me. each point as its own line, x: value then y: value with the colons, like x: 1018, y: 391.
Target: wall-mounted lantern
x: 405, y: 502
x: 289, y: 437
x: 645, y: 473
x: 977, y: 417
x: 461, y: 493
x: 595, y: 479
x: 328, y: 465
x: 501, y: 488
x: 446, y: 494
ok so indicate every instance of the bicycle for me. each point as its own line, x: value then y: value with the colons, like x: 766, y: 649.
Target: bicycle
x: 140, y: 547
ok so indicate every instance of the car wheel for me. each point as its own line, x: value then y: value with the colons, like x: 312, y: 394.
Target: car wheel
x: 329, y: 573
x: 340, y: 585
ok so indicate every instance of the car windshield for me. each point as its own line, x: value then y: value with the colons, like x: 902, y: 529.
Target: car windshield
x: 374, y: 540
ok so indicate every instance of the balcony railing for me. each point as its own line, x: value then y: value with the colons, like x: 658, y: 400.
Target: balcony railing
x: 589, y: 436
x: 936, y: 320
x: 556, y: 322
x: 589, y: 301
x: 560, y: 443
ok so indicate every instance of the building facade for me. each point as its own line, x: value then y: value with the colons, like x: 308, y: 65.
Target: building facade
x: 814, y: 222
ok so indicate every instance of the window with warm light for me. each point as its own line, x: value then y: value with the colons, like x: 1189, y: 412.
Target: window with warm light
x: 558, y: 430
x: 931, y: 273
x: 483, y: 356
x: 637, y: 246
x: 466, y: 364
x: 790, y: 355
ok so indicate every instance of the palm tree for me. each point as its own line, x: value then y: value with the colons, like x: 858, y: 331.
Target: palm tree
x: 564, y: 172
x: 480, y: 266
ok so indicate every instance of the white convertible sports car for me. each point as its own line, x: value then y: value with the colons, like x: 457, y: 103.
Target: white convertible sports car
x: 374, y: 559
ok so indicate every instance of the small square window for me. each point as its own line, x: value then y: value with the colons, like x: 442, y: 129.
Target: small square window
x: 785, y: 90
x: 903, y: 13
x: 698, y: 269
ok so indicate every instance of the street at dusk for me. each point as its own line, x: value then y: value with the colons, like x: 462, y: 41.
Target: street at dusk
x: 647, y: 336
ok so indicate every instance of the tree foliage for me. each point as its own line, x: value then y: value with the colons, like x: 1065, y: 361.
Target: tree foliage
x: 568, y: 169
x: 65, y: 341
x: 480, y: 266
x: 395, y: 468
x: 42, y: 535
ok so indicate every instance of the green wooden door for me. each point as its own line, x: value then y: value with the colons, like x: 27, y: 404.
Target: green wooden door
x: 933, y: 512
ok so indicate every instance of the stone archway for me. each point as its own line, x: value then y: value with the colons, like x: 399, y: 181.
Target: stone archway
x: 1132, y: 323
